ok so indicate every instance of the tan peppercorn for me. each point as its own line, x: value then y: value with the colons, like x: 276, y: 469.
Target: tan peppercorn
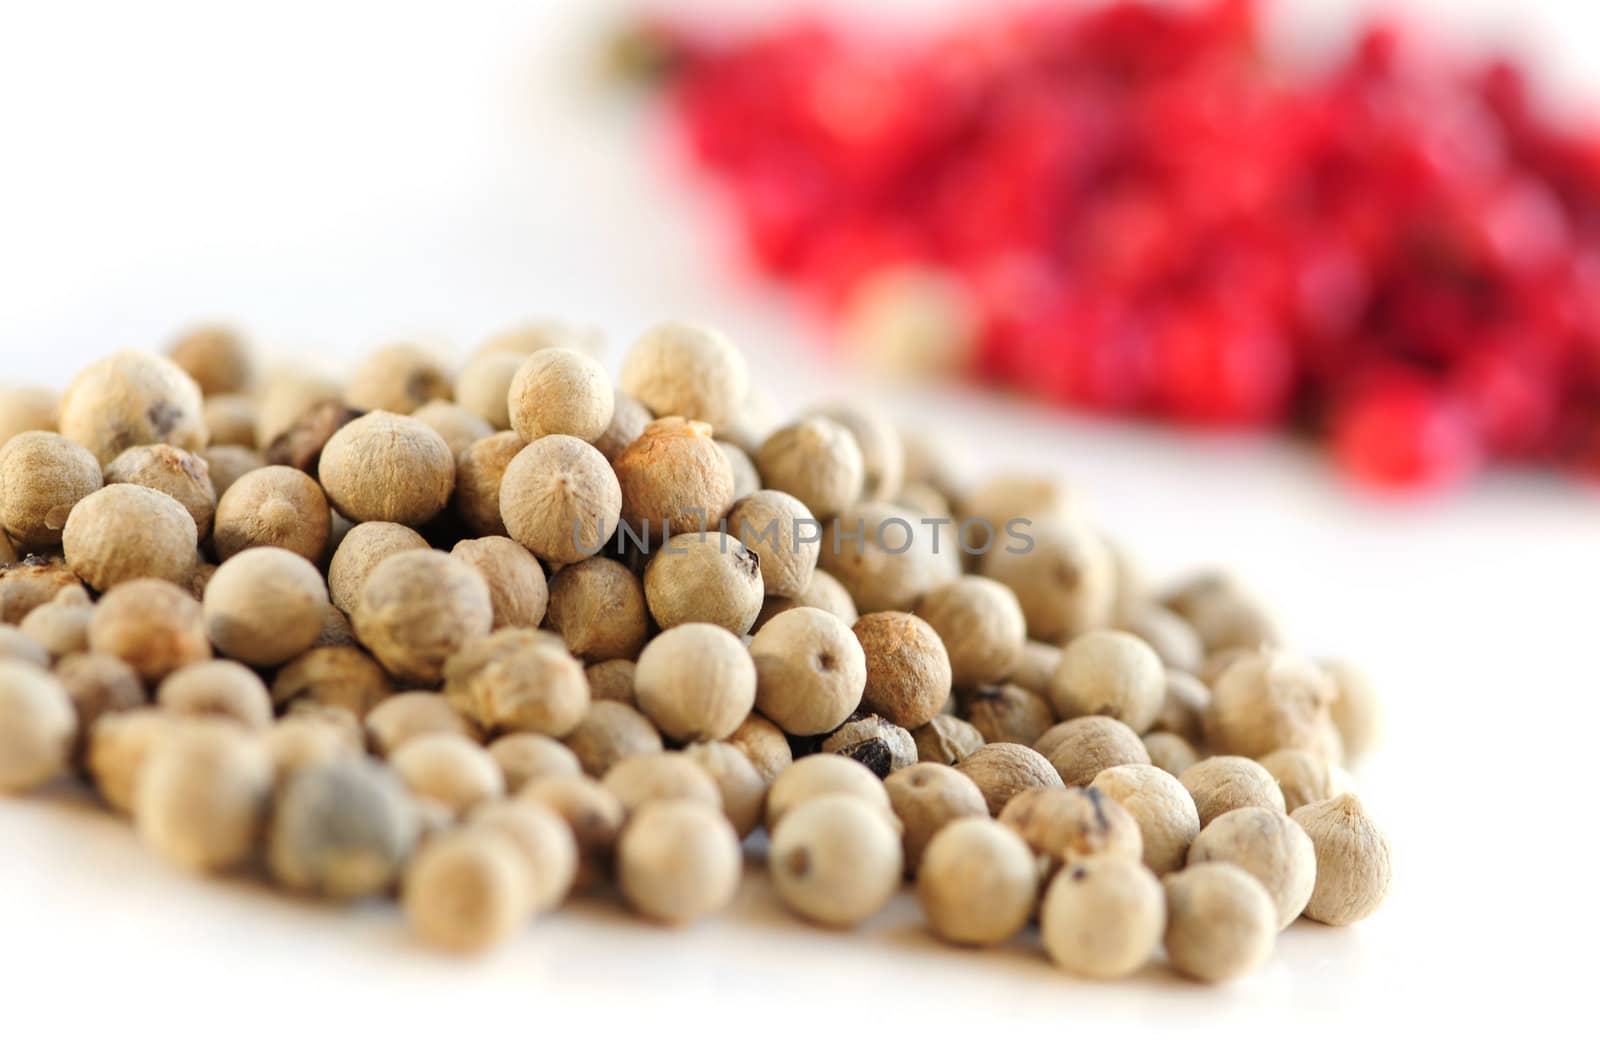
x: 524, y: 758
x: 226, y: 464
x: 674, y: 479
x: 37, y: 727
x: 598, y: 607
x: 1103, y: 916
x: 1064, y: 826
x: 808, y: 778
x: 664, y: 776
x: 480, y: 469
x: 467, y: 890
x: 878, y: 744
x: 1223, y: 783
x: 981, y: 625
x: 628, y: 419
x: 1004, y: 769
x: 923, y: 500
x: 518, y: 592
x: 273, y: 506
x: 823, y: 592
x: 118, y: 745
x: 179, y: 474
x: 594, y: 815
x: 397, y: 378
x: 884, y: 558
x: 98, y: 685
x: 1065, y: 582
x: 153, y: 625
x: 1305, y: 777
x: 763, y: 743
x: 1081, y: 749
x: 696, y: 682
x: 1356, y: 710
x: 1172, y: 753
x: 560, y: 499
x: 202, y: 796
x: 1353, y: 862
x: 301, y: 443
x: 359, y: 553
x: 218, y: 690
x: 1269, y: 845
x: 1222, y: 613
x: 457, y: 426
x: 27, y: 584
x: 1169, y: 634
x: 538, y: 333
x: 215, y: 356
x: 450, y: 769
x: 418, y: 609
x: 1220, y: 922
x: 1184, y: 706
x: 26, y: 409
x: 1168, y: 821
x: 341, y: 676
x: 810, y: 670
x: 746, y: 480
x: 399, y: 719
x: 882, y: 451
x: 544, y: 841
x: 1109, y: 673
x: 987, y: 511
x: 517, y: 680
x: 908, y: 671
x: 302, y: 741
x: 1037, y: 667
x: 17, y: 646
x: 128, y: 399
x: 611, y: 681
x: 925, y: 797
x: 743, y: 789
x: 483, y: 387
x: 686, y: 370
x: 124, y: 532
x: 230, y: 421
x: 1268, y: 700
x: 385, y: 466
x: 978, y: 882
x: 678, y: 861
x: 946, y: 740
x: 342, y: 829
x: 265, y: 606
x: 703, y: 578
x: 560, y: 392
x: 61, y: 625
x: 835, y: 859
x: 285, y: 398
x: 816, y: 460
x: 42, y: 477
x: 1007, y: 713
x: 609, y: 732
x: 783, y: 535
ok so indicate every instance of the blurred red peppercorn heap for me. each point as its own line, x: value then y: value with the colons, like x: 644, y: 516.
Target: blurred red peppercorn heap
x: 1142, y: 213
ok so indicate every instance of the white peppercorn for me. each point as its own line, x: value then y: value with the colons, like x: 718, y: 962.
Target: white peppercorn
x: 226, y: 464
x: 592, y: 812
x: 480, y: 470
x: 881, y: 556
x: 215, y: 356
x: 744, y: 791
x: 1353, y: 861
x: 27, y: 584
x: 810, y: 670
x: 823, y: 592
x: 924, y: 500
x: 1222, y: 613
x: 301, y: 443
x: 783, y: 534
x: 126, y: 532
x: 1355, y: 708
x: 609, y: 732
x: 467, y: 890
x: 342, y: 829
x: 1183, y: 707
x: 456, y: 425
x: 686, y: 370
x: 450, y: 769
x: 875, y: 742
x: 99, y: 684
x: 359, y: 553
x: 1305, y: 777
x: 1172, y: 753
x: 560, y: 499
x: 1269, y: 845
x: 202, y: 796
x: 538, y: 333
x: 230, y: 420
x: 671, y: 776
x: 15, y: 645
x: 26, y: 409
x: 882, y: 451
x: 517, y: 680
x: 61, y: 626
x: 628, y: 419
x: 1007, y: 713
x: 678, y: 861
x: 674, y: 479
x: 483, y: 386
x: 809, y: 778
x: 399, y: 719
x: 1220, y: 922
x: 611, y: 680
x: 417, y: 609
x: 835, y: 859
x: 746, y: 480
x: 1037, y: 667
x: 285, y: 397
x: 518, y: 592
x: 816, y: 460
x: 1103, y: 916
x: 42, y: 477
x: 1109, y: 673
x: 397, y: 378
x: 1223, y: 783
x: 544, y: 841
x: 981, y: 625
x: 977, y: 883
x: 908, y: 671
x: 118, y: 745
x: 273, y: 506
x: 1065, y: 581
x: 128, y: 399
x: 153, y: 625
x: 265, y: 606
x: 1268, y: 700
x: 925, y: 797
x: 946, y: 740
x: 560, y: 392
x: 706, y: 578
x: 1064, y: 826
x: 1168, y: 820
x: 341, y: 676
x: 37, y: 727
x: 1168, y: 634
x: 217, y: 690
x: 598, y: 607
x: 764, y: 744
x: 385, y: 466
x: 525, y: 757
x: 183, y: 476
x: 987, y: 509
x: 307, y: 740
x: 696, y: 682
x: 1004, y: 769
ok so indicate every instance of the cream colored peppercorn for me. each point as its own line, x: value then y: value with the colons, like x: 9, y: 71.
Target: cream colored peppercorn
x: 835, y: 859
x: 817, y: 461
x: 397, y: 378
x: 678, y: 861
x: 1109, y: 673
x: 523, y: 758
x: 484, y: 386
x: 696, y: 682
x: 1269, y: 845
x: 1169, y: 634
x: 763, y: 743
x: 810, y: 669
x: 1186, y: 702
x: 218, y: 690
x: 286, y: 397
x: 987, y: 509
x: 183, y: 476
x: 99, y: 684
x: 544, y: 841
x: 226, y: 464
x: 418, y: 609
x: 215, y: 356
x: 403, y: 717
x: 517, y: 680
x: 450, y: 769
x: 480, y: 470
x: 704, y: 578
x: 1356, y: 710
x: 27, y: 584
x: 746, y: 480
x: 823, y: 592
x: 342, y: 829
x: 273, y: 506
x: 593, y: 813
x: 1268, y: 700
x: 61, y: 626
x: 1103, y: 916
x: 878, y: 744
x: 1220, y: 922
x: 981, y: 625
x: 884, y: 558
x: 301, y: 443
x: 467, y: 890
x: 42, y: 476
x: 151, y: 624
x: 23, y: 648
x: 1353, y: 861
x: 926, y: 797
x: 359, y: 553
x: 783, y: 534
x: 1222, y: 784
x: 609, y: 732
x: 744, y: 791
x: 946, y: 740
x: 679, y: 369
x: 341, y: 676
x: 265, y: 606
x: 1172, y: 753
x: 1065, y: 581
x: 37, y: 727
x: 518, y: 592
x: 1082, y: 748
x: 1305, y: 777
x: 1007, y: 713
x: 598, y: 607
x: 560, y: 498
x: 1168, y: 821
x: 908, y: 671
x: 674, y: 479
x: 1063, y: 826
x: 670, y: 776
x: 1222, y: 613
x: 1037, y: 667
x: 560, y: 392
x: 456, y: 425
x: 128, y: 399
x: 977, y: 883
x: 611, y: 681
x: 882, y: 451
x: 305, y: 740
x: 628, y: 419
x: 125, y: 532
x: 119, y: 744
x: 809, y: 778
x: 26, y: 409
x: 202, y: 796
x: 385, y: 466
x: 538, y: 333
x: 1004, y: 769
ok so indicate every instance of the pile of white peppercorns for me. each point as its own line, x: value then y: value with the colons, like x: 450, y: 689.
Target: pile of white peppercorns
x: 395, y: 637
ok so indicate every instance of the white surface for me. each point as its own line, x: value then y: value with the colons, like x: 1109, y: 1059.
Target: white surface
x: 335, y: 177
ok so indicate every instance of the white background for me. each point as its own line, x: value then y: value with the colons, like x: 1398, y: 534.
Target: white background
x: 335, y: 175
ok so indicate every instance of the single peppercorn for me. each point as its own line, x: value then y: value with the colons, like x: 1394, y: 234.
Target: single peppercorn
x: 808, y: 778
x: 457, y: 426
x: 882, y: 451
x: 592, y: 812
x: 385, y: 466
x: 810, y: 669
x: 27, y: 584
x: 703, y: 578
x: 874, y: 742
x: 815, y: 460
x: 1355, y: 708
x: 543, y: 840
x: 524, y: 758
x: 202, y: 796
x: 399, y: 719
x: 664, y: 776
x: 480, y: 470
x: 215, y: 356
x: 1220, y: 922
x: 467, y: 890
x: 418, y: 609
x: 763, y: 743
x: 1224, y: 783
x: 628, y: 419
x: 1305, y: 777
x: 517, y: 680
x: 977, y: 883
x: 674, y: 479
x: 304, y: 740
x: 1168, y: 634
x: 359, y: 553
x: 483, y: 386
x: 946, y: 740
x: 560, y: 392
x: 1172, y: 753
x: 26, y: 409
x: 217, y: 690
x: 598, y: 607
x: 151, y: 624
x: 783, y: 534
x: 696, y: 682
x: 1064, y: 826
x: 609, y: 732
x: 1222, y: 614
x: 226, y: 464
x: 1268, y: 700
x: 678, y: 861
x: 118, y: 745
x: 1082, y: 748
x: 128, y: 399
x: 835, y: 859
x: 1353, y: 861
x: 561, y: 499
x: 230, y: 421
x: 1109, y: 673
x: 823, y: 592
x: 286, y: 402
x: 341, y: 676
x: 743, y: 789
x: 61, y: 626
x: 1004, y: 769
x: 23, y: 648
x: 1103, y: 916
x: 342, y: 829
x: 908, y: 671
x: 183, y: 476
x: 452, y: 770
x: 42, y: 477
x: 1168, y: 820
x: 398, y: 378
x: 1061, y: 573
x: 273, y: 506
x: 1007, y: 713
x: 981, y: 625
x: 1270, y: 846
x: 518, y: 593
x: 925, y: 797
x: 265, y: 606
x: 125, y: 532
x: 884, y: 559
x: 37, y: 727
x: 679, y: 369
